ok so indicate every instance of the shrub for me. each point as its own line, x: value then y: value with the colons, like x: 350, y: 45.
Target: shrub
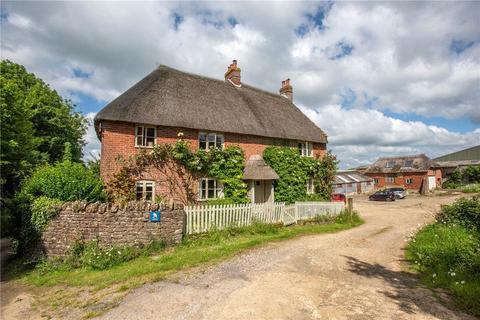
x: 66, y: 181
x: 464, y: 211
x: 472, y: 174
x: 471, y: 188
x: 43, y: 209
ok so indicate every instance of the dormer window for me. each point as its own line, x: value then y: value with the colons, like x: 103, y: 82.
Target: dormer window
x: 207, y: 141
x: 305, y: 149
x: 145, y: 136
x: 408, y: 163
x: 390, y: 164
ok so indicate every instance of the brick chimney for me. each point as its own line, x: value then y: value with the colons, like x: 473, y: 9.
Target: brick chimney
x: 286, y: 90
x: 233, y: 74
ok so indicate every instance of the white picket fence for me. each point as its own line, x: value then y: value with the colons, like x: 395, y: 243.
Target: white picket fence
x: 202, y: 218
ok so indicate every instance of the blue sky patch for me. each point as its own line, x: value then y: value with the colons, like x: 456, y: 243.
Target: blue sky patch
x: 232, y: 21
x: 348, y: 98
x: 458, y: 46
x: 85, y: 103
x: 315, y: 19
x: 177, y: 20
x: 79, y: 73
x: 343, y: 49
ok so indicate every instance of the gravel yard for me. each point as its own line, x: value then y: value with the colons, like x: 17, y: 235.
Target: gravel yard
x: 354, y: 274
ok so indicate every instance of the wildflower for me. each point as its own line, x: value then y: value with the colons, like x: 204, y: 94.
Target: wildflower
x: 118, y: 252
x: 434, y: 275
x: 453, y: 274
x: 180, y: 134
x: 462, y: 282
x: 456, y: 282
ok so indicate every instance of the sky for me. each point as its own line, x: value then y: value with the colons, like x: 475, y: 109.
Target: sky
x: 380, y: 78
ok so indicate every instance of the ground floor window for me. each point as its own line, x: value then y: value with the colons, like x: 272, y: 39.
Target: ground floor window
x: 145, y: 190
x: 310, y: 186
x: 390, y: 179
x: 209, y: 189
x: 409, y: 181
x: 375, y: 181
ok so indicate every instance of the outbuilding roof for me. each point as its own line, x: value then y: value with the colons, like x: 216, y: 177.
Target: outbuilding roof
x: 257, y: 169
x: 413, y: 163
x: 169, y: 97
x: 350, y: 176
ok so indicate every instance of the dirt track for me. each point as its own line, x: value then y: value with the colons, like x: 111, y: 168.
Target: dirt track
x: 355, y: 274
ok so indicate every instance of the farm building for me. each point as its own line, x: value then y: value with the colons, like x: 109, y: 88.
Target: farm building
x: 415, y: 172
x: 460, y: 159
x: 351, y: 181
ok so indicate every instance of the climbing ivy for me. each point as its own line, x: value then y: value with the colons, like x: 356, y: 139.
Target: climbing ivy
x: 294, y: 172
x: 180, y: 168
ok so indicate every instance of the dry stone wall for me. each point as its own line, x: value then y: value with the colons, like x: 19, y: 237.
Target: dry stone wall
x: 127, y: 225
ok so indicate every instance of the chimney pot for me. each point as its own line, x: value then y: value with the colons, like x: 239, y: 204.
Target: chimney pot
x: 286, y: 90
x: 233, y: 74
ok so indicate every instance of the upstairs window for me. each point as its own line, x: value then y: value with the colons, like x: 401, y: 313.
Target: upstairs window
x: 209, y: 189
x: 144, y: 190
x: 210, y: 140
x: 305, y: 149
x: 390, y: 164
x: 145, y: 136
x: 408, y: 163
x: 310, y: 186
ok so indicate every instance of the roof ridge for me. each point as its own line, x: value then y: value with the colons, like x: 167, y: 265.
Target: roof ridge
x: 420, y: 155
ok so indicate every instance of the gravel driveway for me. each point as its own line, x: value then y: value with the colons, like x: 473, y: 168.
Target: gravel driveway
x: 354, y: 274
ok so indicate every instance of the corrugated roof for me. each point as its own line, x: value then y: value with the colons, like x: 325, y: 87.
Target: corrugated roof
x: 169, y: 97
x: 472, y: 153
x: 350, y: 176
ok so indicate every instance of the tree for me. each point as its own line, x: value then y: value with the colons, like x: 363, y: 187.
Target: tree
x: 36, y: 123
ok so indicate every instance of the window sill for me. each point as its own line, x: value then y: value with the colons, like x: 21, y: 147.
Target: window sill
x: 145, y: 147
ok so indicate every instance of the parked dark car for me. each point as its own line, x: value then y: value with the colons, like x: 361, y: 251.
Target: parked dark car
x: 382, y: 196
x: 400, y: 193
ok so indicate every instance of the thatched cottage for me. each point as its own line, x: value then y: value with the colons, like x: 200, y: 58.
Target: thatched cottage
x: 209, y: 113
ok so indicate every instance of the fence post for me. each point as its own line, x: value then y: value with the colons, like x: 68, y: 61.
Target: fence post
x: 296, y: 212
x: 350, y: 204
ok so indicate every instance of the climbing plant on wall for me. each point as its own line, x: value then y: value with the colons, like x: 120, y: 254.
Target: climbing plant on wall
x: 295, y: 170
x: 179, y: 168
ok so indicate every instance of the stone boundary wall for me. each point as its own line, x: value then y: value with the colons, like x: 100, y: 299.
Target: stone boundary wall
x: 112, y: 225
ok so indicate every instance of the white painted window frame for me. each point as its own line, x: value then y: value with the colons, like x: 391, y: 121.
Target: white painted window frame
x: 211, y: 134
x: 305, y: 148
x: 143, y: 184
x: 390, y: 179
x: 310, y: 186
x: 203, y: 194
x: 144, y: 136
x: 409, y: 181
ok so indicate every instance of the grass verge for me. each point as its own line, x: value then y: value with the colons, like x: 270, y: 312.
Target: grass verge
x: 447, y: 255
x: 194, y: 251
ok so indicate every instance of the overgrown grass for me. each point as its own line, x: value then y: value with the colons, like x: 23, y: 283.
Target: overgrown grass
x: 470, y: 188
x: 447, y: 254
x: 194, y: 251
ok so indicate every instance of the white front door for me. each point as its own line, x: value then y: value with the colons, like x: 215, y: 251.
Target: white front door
x: 262, y: 191
x: 431, y: 182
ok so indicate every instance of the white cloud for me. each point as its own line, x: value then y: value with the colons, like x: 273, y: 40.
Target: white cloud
x: 93, y: 146
x: 401, y: 59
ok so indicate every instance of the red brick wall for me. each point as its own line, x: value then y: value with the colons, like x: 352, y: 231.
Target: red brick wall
x: 118, y: 139
x: 400, y: 180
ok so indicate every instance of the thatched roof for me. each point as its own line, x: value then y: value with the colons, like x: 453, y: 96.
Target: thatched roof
x: 414, y: 163
x: 257, y: 169
x: 350, y: 176
x: 169, y: 97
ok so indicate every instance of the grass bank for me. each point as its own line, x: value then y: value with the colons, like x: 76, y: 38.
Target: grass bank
x: 194, y: 251
x: 447, y: 253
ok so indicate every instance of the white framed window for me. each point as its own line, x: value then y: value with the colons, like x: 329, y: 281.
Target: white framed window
x: 409, y: 180
x: 209, y: 189
x: 390, y: 179
x: 145, y: 136
x: 305, y: 149
x: 375, y: 180
x: 210, y: 140
x: 310, y: 186
x: 390, y: 164
x: 145, y: 190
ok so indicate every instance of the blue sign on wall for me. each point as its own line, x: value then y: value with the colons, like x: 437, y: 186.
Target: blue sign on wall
x: 154, y: 216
